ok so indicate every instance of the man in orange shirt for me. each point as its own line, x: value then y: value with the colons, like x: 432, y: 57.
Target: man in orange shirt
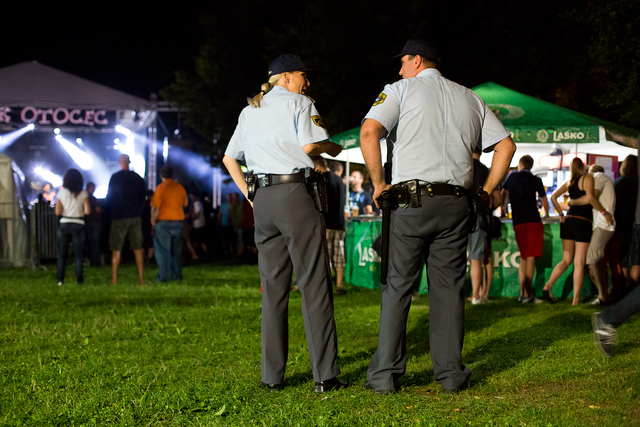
x: 167, y: 215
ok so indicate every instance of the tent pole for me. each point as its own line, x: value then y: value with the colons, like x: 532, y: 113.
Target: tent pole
x: 346, y: 187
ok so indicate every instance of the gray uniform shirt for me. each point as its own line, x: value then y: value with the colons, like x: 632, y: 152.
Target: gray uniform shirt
x: 439, y: 123
x: 271, y: 137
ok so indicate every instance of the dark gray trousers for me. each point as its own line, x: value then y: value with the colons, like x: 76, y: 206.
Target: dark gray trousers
x: 290, y: 237
x: 436, y: 232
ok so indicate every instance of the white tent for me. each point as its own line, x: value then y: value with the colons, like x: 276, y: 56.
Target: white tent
x: 13, y: 221
x: 32, y: 83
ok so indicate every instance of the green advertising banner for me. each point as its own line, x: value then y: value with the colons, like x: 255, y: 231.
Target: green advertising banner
x: 363, y: 263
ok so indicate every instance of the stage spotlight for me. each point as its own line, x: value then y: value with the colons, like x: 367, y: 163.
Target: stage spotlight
x: 101, y: 191
x: 50, y: 177
x: 81, y: 158
x: 31, y: 126
x: 139, y: 165
x: 165, y: 149
x: 123, y: 130
x: 56, y: 131
x: 79, y: 141
x: 9, y: 138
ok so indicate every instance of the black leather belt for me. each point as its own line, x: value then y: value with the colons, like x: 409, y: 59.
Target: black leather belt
x: 437, y: 189
x: 273, y: 179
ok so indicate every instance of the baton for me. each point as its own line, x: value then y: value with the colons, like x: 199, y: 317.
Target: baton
x: 385, y: 203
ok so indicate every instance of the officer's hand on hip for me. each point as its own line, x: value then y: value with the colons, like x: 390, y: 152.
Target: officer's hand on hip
x: 378, y: 191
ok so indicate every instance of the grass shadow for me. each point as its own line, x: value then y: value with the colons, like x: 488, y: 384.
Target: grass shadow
x: 508, y: 350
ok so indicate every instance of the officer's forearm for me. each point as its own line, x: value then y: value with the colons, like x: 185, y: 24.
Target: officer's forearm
x: 370, y: 134
x: 502, y: 155
x: 317, y: 148
x: 233, y: 166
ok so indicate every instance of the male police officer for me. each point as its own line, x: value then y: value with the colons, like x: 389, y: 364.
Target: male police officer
x: 439, y: 123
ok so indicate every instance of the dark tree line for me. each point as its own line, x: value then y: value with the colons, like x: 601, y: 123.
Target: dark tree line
x: 583, y: 55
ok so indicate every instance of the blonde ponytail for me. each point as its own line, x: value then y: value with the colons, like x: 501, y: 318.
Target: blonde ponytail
x: 264, y: 89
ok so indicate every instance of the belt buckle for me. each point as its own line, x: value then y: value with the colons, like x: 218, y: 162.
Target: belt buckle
x: 263, y: 180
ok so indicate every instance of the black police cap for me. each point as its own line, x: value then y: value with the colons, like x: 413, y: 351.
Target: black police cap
x: 426, y: 48
x: 286, y: 64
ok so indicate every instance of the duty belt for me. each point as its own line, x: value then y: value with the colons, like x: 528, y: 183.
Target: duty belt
x: 273, y: 179
x: 438, y: 189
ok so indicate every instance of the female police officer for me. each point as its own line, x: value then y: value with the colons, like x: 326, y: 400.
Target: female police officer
x: 276, y: 134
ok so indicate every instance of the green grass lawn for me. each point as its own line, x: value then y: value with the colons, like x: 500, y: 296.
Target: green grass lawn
x: 189, y: 354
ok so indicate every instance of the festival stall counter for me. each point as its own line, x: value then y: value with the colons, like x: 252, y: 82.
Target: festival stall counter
x: 363, y: 263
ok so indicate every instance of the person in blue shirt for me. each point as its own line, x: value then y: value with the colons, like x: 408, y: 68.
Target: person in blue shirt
x: 358, y: 196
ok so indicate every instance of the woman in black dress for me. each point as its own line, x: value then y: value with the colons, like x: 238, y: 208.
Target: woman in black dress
x: 575, y: 229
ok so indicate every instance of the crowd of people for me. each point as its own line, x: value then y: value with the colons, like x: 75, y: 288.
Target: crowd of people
x: 155, y: 226
x: 280, y: 135
x: 596, y: 228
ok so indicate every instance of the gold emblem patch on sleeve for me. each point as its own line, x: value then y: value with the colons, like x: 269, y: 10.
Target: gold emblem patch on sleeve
x: 380, y: 99
x: 317, y: 120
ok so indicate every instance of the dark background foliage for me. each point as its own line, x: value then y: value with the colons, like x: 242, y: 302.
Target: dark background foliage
x: 208, y: 57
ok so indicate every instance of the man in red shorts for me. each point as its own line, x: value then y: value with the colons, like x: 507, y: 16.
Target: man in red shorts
x: 522, y: 187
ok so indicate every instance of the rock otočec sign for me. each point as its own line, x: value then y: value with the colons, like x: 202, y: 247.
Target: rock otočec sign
x: 57, y: 116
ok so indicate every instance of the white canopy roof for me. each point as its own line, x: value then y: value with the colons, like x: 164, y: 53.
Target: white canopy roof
x: 38, y: 85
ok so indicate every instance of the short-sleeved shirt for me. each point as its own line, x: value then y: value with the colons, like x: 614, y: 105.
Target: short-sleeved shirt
x: 439, y: 124
x: 126, y: 195
x: 336, y: 199
x: 361, y: 199
x: 72, y: 206
x: 170, y: 198
x: 607, y: 199
x: 271, y: 137
x: 523, y: 187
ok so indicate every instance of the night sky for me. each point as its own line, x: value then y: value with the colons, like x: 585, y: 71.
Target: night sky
x: 540, y: 47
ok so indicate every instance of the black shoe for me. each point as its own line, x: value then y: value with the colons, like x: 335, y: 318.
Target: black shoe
x: 270, y: 387
x: 381, y: 391
x: 330, y: 385
x: 456, y: 390
x: 546, y: 295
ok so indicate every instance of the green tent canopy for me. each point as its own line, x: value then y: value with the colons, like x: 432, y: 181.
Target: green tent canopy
x: 535, y: 121
x: 531, y: 120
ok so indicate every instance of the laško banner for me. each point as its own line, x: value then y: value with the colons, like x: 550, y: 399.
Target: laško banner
x: 363, y: 263
x: 57, y: 117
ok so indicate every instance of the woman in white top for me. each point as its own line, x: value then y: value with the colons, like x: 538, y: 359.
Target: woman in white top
x: 72, y: 205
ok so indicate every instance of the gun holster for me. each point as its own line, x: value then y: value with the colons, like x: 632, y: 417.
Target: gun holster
x: 407, y: 194
x: 478, y: 201
x: 316, y: 186
x: 252, y: 181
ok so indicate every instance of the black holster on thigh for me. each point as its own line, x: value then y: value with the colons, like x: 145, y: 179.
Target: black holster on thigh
x: 251, y: 181
x: 316, y: 185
